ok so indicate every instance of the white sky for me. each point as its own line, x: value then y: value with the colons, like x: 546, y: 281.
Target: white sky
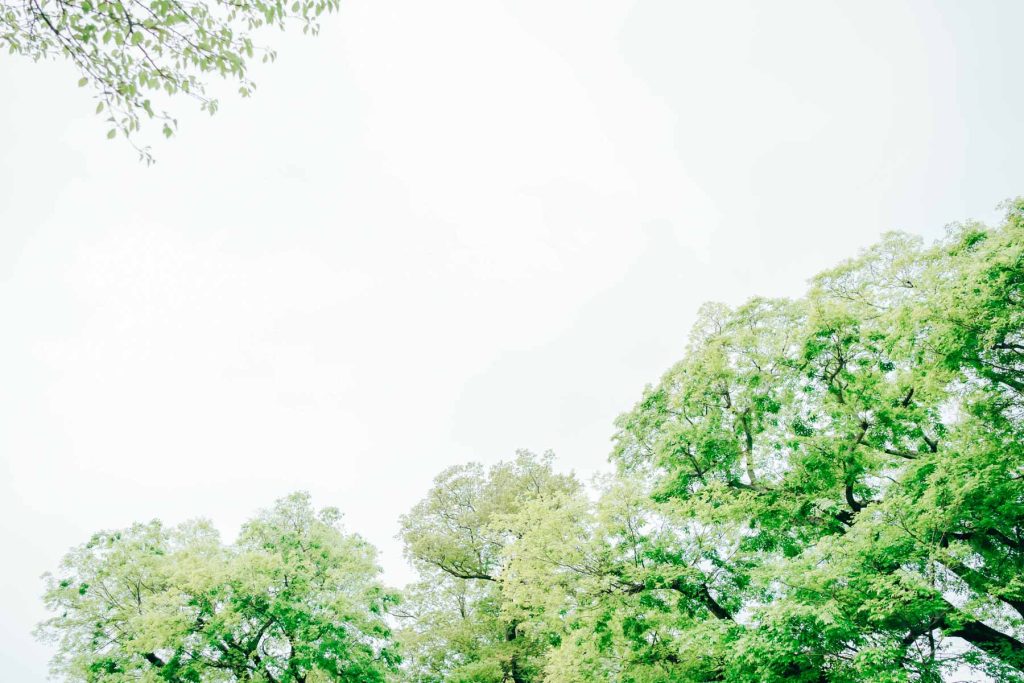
x: 442, y: 231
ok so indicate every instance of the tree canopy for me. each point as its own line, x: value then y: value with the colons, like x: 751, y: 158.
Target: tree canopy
x: 134, y: 54
x: 294, y: 599
x: 823, y: 489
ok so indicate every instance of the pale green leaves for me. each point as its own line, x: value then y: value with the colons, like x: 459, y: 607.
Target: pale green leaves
x: 461, y: 626
x: 137, y: 52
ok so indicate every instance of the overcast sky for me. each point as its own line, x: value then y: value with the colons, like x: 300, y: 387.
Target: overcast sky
x: 443, y: 231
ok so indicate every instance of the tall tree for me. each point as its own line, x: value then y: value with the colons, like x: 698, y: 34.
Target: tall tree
x: 134, y: 54
x: 295, y: 599
x: 864, y: 448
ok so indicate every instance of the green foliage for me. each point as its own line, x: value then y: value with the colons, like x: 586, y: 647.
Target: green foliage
x: 823, y: 489
x: 458, y: 625
x: 294, y: 599
x: 859, y: 452
x: 135, y: 53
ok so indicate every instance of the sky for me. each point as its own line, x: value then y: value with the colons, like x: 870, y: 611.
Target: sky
x: 442, y: 231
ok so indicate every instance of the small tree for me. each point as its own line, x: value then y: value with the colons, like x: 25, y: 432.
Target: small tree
x: 294, y: 599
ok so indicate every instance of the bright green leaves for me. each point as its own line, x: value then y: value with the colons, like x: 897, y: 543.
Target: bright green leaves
x: 868, y: 437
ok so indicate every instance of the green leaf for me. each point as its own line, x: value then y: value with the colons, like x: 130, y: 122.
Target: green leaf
x: 82, y: 82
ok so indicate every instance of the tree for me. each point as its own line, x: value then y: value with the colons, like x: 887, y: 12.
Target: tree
x: 134, y: 53
x: 823, y: 489
x: 458, y: 624
x: 861, y: 452
x: 294, y: 599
